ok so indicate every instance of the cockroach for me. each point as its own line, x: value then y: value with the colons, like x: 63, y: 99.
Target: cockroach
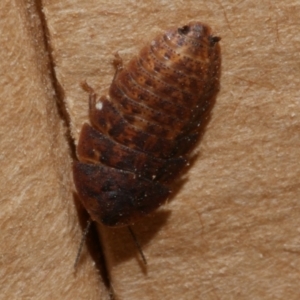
x: 141, y: 132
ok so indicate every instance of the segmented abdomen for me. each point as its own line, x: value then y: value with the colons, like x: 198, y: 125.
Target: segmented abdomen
x: 142, y: 131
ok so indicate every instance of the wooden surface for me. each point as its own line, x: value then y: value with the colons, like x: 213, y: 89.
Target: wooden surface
x: 232, y: 231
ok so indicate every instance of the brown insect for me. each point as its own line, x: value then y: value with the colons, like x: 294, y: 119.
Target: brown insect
x: 141, y: 132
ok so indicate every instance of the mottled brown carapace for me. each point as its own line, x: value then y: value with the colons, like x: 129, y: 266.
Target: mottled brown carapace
x: 142, y: 131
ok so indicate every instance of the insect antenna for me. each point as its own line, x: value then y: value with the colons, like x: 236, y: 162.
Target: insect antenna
x: 137, y: 244
x: 83, y: 238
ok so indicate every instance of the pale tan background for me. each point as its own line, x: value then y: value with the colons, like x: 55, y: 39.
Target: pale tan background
x: 233, y: 229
